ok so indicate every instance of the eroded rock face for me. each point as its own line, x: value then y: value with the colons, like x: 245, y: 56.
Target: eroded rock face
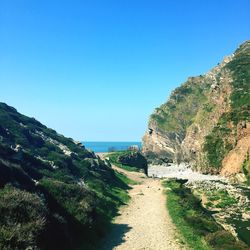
x: 171, y: 143
x: 232, y: 163
x: 158, y: 147
x: 206, y: 119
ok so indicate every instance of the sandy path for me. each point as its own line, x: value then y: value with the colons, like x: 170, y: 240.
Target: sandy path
x: 144, y: 223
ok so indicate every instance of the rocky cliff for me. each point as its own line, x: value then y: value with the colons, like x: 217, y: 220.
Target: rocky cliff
x: 206, y: 121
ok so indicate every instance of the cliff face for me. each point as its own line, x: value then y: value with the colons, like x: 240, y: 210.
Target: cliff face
x: 206, y: 120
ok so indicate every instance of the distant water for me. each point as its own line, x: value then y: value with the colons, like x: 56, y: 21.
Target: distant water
x: 101, y: 146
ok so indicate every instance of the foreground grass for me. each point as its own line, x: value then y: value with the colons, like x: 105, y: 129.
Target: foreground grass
x: 177, y: 212
x: 125, y: 179
x: 196, y: 226
x: 111, y: 198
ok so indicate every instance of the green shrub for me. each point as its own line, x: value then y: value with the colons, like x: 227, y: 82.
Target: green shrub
x: 75, y: 199
x: 246, y: 168
x: 22, y: 219
x: 222, y: 240
x: 82, y: 193
x: 216, y: 145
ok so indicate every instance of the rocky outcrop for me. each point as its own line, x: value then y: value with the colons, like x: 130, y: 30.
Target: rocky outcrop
x: 134, y: 159
x: 205, y: 121
x: 160, y: 147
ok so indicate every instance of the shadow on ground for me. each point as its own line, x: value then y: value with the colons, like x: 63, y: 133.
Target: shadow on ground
x: 115, y: 237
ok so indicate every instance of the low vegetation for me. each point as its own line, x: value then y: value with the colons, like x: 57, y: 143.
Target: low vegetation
x: 178, y: 113
x: 54, y: 194
x: 217, y: 143
x: 197, y: 227
x: 219, y: 199
x: 22, y: 220
x: 246, y: 168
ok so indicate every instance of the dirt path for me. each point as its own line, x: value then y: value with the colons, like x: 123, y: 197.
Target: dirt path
x: 144, y: 223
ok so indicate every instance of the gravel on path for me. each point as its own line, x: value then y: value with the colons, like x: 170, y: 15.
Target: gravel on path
x: 144, y: 223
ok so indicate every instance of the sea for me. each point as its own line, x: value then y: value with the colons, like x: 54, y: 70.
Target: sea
x: 108, y: 146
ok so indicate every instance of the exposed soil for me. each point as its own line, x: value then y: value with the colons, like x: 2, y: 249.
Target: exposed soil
x: 233, y: 161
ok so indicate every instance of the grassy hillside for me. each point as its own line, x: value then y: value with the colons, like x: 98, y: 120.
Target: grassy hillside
x: 54, y: 194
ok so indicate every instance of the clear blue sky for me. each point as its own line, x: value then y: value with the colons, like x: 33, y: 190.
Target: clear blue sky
x: 95, y: 70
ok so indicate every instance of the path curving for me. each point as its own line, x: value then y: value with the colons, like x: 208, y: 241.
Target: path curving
x: 143, y: 224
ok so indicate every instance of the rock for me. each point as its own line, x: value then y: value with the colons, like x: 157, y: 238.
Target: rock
x: 135, y: 159
x: 189, y: 127
x: 246, y: 216
x: 134, y: 148
x: 238, y: 178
